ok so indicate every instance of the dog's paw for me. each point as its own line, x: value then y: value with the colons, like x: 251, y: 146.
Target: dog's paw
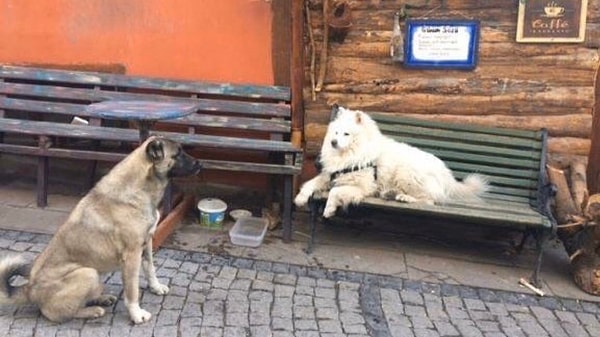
x: 104, y: 300
x: 329, y: 211
x: 139, y: 315
x: 159, y: 289
x: 405, y: 198
x: 301, y: 199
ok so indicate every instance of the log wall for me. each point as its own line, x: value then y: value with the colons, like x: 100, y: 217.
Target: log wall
x: 518, y: 85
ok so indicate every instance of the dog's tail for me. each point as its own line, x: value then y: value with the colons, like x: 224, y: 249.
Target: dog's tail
x: 10, y: 268
x: 471, y: 188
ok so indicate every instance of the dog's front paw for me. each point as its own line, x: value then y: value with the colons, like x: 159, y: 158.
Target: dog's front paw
x: 329, y: 211
x: 401, y: 197
x: 159, y: 289
x: 139, y: 315
x: 301, y: 199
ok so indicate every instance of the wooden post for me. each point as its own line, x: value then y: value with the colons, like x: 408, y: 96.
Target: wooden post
x: 297, y: 70
x: 593, y: 169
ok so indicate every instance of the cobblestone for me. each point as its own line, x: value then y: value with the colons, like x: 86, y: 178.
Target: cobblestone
x: 223, y: 296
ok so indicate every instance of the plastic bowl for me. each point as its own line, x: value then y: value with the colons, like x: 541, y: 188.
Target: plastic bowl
x: 239, y: 213
x: 212, y: 212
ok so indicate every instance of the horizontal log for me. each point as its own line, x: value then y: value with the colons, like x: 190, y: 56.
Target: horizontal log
x: 466, y: 85
x: 547, y: 69
x: 431, y: 103
x: 569, y: 145
x: 564, y: 160
x: 492, y: 52
x: 445, y: 7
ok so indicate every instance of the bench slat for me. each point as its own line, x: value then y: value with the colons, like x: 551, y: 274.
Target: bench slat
x: 460, y: 136
x: 400, y: 120
x: 89, y: 96
x: 150, y: 83
x: 468, y: 149
x: 266, y: 125
x: 466, y: 213
x: 114, y: 156
x: 484, y: 159
x: 131, y: 135
x: 492, y: 170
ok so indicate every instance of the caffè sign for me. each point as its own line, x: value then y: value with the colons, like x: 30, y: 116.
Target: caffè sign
x: 551, y: 20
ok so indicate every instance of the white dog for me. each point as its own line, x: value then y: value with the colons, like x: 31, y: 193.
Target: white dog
x: 358, y: 161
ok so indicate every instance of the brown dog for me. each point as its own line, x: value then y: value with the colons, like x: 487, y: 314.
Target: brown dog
x: 111, y: 228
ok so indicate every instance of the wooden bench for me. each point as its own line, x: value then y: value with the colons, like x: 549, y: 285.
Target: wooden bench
x: 249, y: 125
x: 513, y: 160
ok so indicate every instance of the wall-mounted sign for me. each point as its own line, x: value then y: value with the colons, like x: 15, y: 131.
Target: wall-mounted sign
x: 551, y: 20
x: 446, y: 44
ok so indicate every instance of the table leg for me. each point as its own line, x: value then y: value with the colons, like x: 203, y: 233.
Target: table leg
x: 144, y: 127
x: 167, y: 202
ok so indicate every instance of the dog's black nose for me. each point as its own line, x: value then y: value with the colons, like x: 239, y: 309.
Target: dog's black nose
x: 334, y: 143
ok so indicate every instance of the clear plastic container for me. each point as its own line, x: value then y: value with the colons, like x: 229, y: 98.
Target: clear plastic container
x: 248, y: 231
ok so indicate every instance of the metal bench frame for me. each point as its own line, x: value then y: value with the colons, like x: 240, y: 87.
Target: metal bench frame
x: 513, y: 160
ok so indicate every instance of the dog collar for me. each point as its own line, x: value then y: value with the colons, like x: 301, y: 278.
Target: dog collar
x: 354, y: 168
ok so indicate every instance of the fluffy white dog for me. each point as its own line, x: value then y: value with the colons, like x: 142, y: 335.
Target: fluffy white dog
x: 358, y: 161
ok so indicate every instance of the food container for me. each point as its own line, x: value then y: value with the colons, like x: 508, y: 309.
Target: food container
x: 212, y: 212
x: 248, y: 231
x: 239, y: 213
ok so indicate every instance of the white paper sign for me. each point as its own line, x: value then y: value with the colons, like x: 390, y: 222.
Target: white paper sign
x: 441, y: 43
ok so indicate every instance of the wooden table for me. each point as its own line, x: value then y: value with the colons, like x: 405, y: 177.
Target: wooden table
x: 143, y: 113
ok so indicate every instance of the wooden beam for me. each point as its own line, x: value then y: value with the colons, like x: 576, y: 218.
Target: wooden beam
x: 170, y: 222
x: 297, y: 71
x: 593, y: 169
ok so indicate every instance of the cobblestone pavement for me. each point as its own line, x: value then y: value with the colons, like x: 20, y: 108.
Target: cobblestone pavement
x: 226, y: 296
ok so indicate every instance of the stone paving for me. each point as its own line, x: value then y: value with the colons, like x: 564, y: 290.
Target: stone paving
x: 226, y: 296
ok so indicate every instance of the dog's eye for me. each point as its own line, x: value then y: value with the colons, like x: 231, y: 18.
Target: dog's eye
x: 346, y: 134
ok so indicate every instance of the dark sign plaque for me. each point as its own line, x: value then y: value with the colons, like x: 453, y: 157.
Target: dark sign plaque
x: 551, y: 20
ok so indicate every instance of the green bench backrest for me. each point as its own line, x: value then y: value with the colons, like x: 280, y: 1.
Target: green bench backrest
x: 512, y: 159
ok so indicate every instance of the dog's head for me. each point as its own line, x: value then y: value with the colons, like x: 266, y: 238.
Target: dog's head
x: 349, y: 129
x: 169, y: 159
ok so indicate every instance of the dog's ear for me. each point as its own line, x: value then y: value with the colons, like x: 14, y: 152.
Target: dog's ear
x: 335, y: 109
x: 155, y: 150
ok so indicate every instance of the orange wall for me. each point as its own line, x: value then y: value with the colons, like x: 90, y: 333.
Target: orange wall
x: 220, y: 40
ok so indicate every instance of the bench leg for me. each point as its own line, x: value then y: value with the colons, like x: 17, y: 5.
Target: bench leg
x: 314, y: 209
x: 42, y: 182
x: 541, y: 241
x: 91, y: 169
x: 287, y: 208
x: 91, y: 174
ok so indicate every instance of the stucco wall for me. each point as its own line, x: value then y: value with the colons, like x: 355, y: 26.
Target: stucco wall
x: 225, y: 40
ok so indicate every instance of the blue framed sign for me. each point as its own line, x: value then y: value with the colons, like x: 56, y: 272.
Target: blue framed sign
x: 441, y: 44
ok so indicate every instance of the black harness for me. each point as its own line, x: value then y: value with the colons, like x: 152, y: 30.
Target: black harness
x: 354, y: 168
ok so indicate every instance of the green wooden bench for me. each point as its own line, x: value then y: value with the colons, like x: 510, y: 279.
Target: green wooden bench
x: 513, y: 160
x: 248, y: 125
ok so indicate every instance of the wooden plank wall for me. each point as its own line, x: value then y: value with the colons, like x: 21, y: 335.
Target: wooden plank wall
x: 514, y: 85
